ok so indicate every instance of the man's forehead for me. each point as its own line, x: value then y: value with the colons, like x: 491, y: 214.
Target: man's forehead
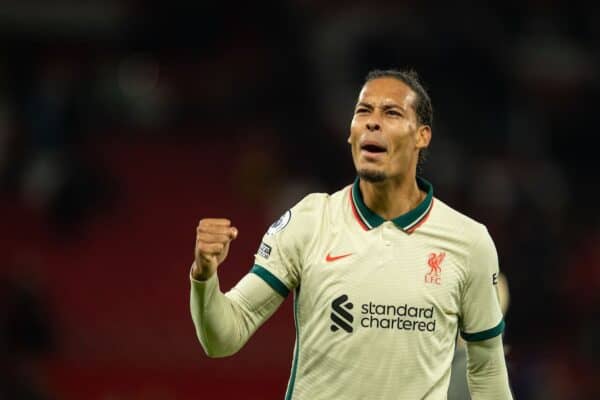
x: 387, y: 90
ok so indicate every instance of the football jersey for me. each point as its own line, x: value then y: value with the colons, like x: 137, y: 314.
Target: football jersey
x: 378, y: 303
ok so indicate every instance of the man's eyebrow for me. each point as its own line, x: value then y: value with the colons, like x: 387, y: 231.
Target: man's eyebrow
x: 392, y: 105
x: 363, y: 104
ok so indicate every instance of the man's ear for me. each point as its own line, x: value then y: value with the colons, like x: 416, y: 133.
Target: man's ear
x: 423, y: 136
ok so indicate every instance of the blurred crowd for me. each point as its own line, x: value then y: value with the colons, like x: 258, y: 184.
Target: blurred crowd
x: 514, y: 89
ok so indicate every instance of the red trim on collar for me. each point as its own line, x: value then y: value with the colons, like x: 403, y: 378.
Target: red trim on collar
x: 360, y: 221
x: 422, y: 221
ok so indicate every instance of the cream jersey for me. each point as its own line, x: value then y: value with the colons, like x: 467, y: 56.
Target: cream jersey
x: 378, y: 303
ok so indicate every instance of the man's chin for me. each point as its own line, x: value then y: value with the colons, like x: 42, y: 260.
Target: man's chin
x: 372, y: 176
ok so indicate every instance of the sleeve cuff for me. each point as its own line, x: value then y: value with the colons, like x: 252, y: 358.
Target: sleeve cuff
x: 484, y: 335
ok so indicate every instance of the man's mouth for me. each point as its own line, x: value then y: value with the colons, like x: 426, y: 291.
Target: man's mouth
x: 372, y: 148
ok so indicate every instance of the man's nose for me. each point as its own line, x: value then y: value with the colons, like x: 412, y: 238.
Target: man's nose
x: 373, y: 121
x: 373, y: 125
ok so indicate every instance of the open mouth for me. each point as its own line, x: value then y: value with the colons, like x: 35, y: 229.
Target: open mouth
x: 373, y: 148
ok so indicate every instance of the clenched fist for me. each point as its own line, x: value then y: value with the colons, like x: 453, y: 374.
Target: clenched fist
x: 213, y: 236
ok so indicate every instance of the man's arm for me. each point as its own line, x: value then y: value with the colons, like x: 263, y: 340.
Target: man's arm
x: 486, y: 370
x: 482, y: 322
x: 225, y: 322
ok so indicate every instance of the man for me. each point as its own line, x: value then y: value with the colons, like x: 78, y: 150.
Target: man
x: 383, y: 274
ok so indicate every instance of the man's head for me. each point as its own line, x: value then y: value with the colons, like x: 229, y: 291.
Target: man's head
x: 391, y: 127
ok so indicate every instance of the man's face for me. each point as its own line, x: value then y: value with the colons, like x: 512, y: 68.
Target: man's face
x: 385, y: 135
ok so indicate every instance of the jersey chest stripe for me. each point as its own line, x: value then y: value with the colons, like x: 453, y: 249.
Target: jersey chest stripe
x: 290, y: 388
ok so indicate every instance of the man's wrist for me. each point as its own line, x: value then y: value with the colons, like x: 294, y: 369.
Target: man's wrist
x: 197, y: 275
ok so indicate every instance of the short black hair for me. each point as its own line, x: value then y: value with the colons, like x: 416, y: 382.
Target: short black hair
x: 422, y: 106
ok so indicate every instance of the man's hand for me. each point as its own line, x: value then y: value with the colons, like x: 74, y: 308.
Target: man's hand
x: 213, y: 236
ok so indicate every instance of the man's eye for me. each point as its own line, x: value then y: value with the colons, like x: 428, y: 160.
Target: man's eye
x: 361, y: 110
x: 394, y: 113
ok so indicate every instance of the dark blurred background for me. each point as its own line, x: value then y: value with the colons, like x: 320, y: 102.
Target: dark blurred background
x: 122, y: 123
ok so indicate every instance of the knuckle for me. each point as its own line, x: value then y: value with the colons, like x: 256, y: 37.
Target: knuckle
x: 204, y: 222
x: 202, y: 247
x: 218, y: 232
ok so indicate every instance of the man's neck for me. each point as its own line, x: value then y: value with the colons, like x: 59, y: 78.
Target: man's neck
x: 393, y: 197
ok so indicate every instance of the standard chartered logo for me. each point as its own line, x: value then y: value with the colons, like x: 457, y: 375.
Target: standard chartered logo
x: 402, y: 317
x: 340, y: 314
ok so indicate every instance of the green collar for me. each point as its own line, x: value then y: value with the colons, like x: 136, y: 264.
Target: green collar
x: 407, y: 222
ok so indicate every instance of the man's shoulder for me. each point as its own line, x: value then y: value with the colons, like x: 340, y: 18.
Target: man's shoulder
x: 457, y: 221
x: 317, y: 202
x: 306, y: 218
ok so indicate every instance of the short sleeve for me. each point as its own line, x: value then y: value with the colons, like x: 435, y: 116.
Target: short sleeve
x: 481, y: 315
x: 281, y: 253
